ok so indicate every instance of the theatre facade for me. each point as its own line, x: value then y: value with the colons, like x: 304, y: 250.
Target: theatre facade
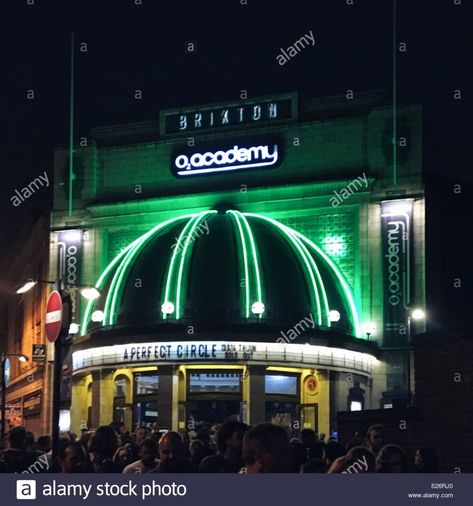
x: 255, y: 258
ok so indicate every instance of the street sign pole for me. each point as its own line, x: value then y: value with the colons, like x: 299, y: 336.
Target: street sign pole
x: 57, y: 327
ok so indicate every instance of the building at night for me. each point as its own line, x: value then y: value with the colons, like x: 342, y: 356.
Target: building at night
x: 257, y: 258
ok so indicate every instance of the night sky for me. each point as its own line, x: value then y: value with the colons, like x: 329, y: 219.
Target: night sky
x: 132, y: 46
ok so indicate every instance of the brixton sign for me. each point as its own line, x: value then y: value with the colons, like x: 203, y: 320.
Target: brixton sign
x: 231, y: 115
x: 235, y: 158
x: 53, y: 316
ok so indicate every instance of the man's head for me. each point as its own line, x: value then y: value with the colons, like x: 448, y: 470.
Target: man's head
x: 148, y: 452
x: 376, y: 436
x: 230, y: 437
x: 71, y: 458
x: 266, y: 449
x: 17, y: 438
x: 44, y: 443
x: 172, y: 451
x: 141, y: 433
x: 308, y: 437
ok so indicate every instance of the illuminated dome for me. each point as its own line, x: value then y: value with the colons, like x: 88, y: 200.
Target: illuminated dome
x: 220, y: 269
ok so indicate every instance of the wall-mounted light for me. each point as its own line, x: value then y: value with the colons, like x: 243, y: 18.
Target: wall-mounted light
x: 257, y: 308
x: 418, y: 314
x: 167, y: 307
x: 333, y: 316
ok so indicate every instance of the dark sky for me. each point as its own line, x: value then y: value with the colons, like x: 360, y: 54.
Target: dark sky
x: 132, y: 46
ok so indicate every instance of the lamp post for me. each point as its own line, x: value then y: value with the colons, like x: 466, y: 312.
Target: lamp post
x: 4, y: 358
x: 87, y: 291
x: 416, y: 314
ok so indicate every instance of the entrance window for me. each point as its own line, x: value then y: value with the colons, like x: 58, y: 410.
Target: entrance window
x: 280, y: 384
x: 145, y: 398
x: 282, y: 401
x: 121, y: 385
x: 200, y: 382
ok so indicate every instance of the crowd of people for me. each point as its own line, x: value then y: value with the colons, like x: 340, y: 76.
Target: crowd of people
x: 232, y: 447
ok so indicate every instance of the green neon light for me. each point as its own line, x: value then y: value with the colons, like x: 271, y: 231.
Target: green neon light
x: 340, y: 277
x: 255, y: 257
x: 320, y: 282
x: 101, y: 281
x: 115, y: 288
x: 300, y: 252
x: 245, y: 261
x: 174, y: 256
x: 184, y: 258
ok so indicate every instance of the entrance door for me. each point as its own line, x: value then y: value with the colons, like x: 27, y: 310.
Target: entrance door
x: 213, y: 395
x: 310, y: 416
x: 211, y: 411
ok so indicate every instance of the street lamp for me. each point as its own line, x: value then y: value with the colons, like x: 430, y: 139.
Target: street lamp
x: 89, y: 292
x: 368, y: 328
x: 415, y: 314
x: 4, y: 358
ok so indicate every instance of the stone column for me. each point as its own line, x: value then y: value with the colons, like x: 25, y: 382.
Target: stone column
x: 102, y: 397
x: 256, y: 394
x: 167, y: 397
x: 78, y: 403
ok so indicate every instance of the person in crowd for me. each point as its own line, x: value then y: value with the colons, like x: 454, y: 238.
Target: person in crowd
x: 43, y: 444
x: 204, y: 437
x: 298, y: 455
x: 375, y: 438
x: 172, y: 455
x: 123, y: 456
x: 16, y: 458
x: 197, y: 452
x: 392, y: 459
x: 229, y: 442
x: 333, y: 450
x: 314, y: 466
x: 141, y: 434
x: 72, y: 458
x: 102, y: 447
x: 356, y: 440
x: 148, y: 452
x: 30, y: 445
x: 426, y: 460
x: 266, y: 449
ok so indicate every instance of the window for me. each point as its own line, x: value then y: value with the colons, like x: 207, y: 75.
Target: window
x: 281, y: 384
x: 214, y: 382
x: 146, y: 384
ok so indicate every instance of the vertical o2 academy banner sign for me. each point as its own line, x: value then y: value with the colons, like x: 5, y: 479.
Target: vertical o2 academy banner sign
x: 69, y: 265
x: 396, y: 229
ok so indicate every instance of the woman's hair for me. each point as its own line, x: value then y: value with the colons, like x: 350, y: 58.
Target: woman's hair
x: 382, y: 461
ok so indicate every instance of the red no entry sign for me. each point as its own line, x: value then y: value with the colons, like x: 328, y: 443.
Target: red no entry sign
x: 53, y: 316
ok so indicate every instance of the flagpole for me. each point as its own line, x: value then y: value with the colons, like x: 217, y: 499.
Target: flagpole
x: 71, y: 126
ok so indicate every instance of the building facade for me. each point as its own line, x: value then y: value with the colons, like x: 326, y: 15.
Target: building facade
x: 256, y: 258
x: 28, y: 393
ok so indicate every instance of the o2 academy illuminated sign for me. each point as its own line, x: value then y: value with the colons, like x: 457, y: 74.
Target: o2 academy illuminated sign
x: 224, y: 160
x: 244, y: 113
